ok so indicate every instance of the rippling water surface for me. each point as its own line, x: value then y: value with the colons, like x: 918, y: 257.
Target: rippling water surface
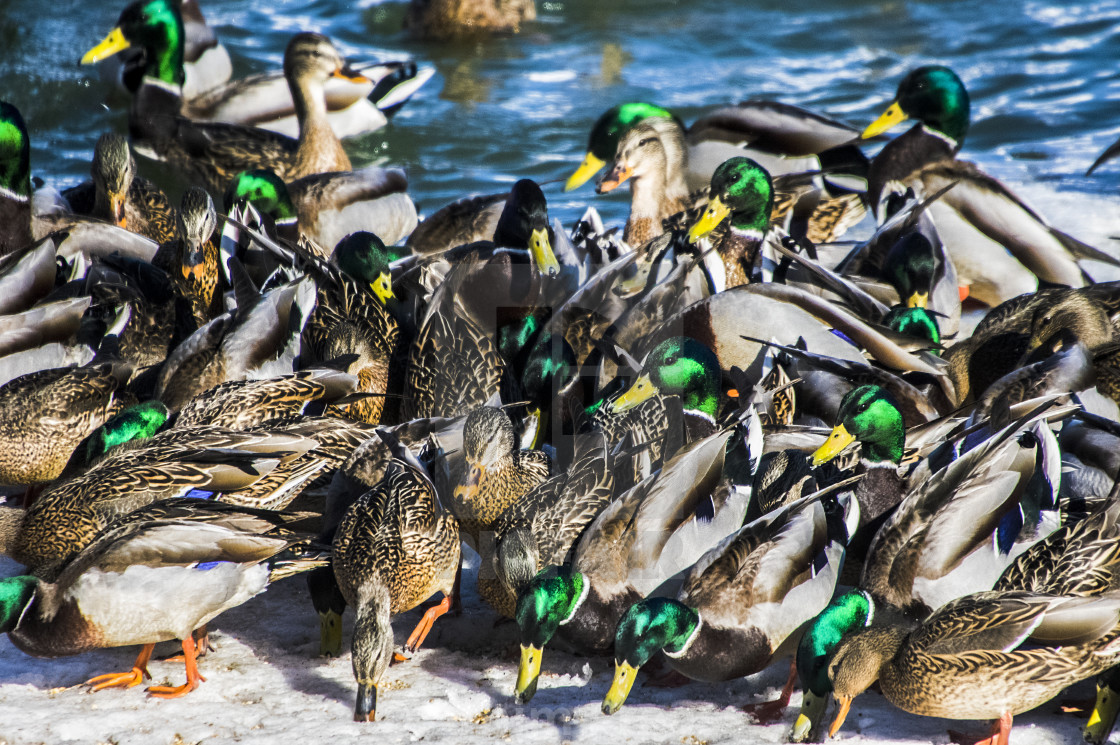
x: 1043, y: 78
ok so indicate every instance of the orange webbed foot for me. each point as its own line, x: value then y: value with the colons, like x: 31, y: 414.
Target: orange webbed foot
x: 133, y: 677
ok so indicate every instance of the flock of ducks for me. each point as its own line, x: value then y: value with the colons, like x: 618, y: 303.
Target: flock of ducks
x: 712, y: 440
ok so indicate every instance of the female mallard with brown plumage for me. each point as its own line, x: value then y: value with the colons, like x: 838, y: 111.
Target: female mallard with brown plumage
x: 116, y: 194
x: 395, y: 547
x: 213, y: 153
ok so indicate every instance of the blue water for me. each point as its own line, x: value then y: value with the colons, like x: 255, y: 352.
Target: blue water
x: 1043, y: 78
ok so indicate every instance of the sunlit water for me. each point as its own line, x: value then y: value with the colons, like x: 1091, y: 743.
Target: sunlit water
x: 1043, y: 78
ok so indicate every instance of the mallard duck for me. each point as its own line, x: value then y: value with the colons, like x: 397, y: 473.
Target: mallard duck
x: 353, y: 106
x: 244, y: 404
x: 15, y: 180
x: 499, y: 472
x: 741, y: 193
x: 979, y: 213
x: 213, y: 153
x: 44, y: 415
x: 540, y: 528
x: 206, y: 63
x: 191, y: 259
x: 870, y: 415
x: 999, y: 343
x: 984, y: 656
x: 440, y: 20
x: 156, y: 574
x: 116, y: 194
x: 326, y: 207
x: 682, y: 367
x: 394, y: 548
x: 260, y: 338
x: 955, y: 533
x: 758, y: 129
x: 651, y: 156
x: 742, y: 603
x: 170, y: 464
x: 639, y: 540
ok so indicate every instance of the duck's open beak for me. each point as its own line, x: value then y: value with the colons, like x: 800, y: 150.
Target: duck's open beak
x: 716, y: 213
x: 837, y: 440
x: 110, y: 45
x: 588, y: 168
x: 892, y: 116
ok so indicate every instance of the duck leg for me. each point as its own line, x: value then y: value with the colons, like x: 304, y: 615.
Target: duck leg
x: 416, y: 638
x: 133, y: 677
x: 770, y: 712
x: 1001, y: 733
x: 190, y: 656
x: 201, y: 637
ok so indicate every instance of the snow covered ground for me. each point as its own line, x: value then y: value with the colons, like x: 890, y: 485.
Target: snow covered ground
x: 266, y: 684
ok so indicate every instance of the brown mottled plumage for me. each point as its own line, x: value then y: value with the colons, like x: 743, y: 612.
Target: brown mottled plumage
x: 213, y: 153
x: 191, y: 259
x: 116, y: 194
x: 44, y: 415
x: 395, y: 547
x: 450, y: 19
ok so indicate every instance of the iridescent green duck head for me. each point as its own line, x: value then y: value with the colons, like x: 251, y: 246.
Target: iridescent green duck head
x: 15, y: 155
x: 16, y: 595
x: 871, y: 415
x: 916, y: 322
x: 549, y: 601
x: 742, y: 191
x: 934, y: 96
x: 606, y: 133
x: 650, y: 626
x: 682, y: 367
x: 524, y: 222
x: 137, y: 422
x: 850, y: 611
x: 156, y: 26
x: 910, y: 267
x: 363, y: 257
x: 266, y: 191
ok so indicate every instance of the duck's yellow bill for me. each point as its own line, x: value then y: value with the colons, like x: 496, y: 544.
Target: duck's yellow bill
x: 812, y: 712
x: 839, y: 439
x: 918, y: 300
x: 643, y: 389
x: 110, y: 45
x: 892, y: 116
x: 527, y: 673
x: 845, y: 704
x: 540, y: 249
x: 383, y: 287
x: 588, y: 168
x: 716, y: 213
x: 624, y: 675
x: 330, y: 634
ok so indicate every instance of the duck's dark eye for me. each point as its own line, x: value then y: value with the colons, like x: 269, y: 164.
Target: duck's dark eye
x: 645, y: 141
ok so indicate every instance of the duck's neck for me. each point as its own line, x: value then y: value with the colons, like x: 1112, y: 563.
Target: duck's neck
x: 716, y: 654
x: 676, y: 197
x: 739, y: 251
x: 319, y: 147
